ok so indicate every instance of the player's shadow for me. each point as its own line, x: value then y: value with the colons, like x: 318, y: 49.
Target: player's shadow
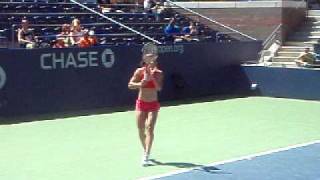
x: 197, y: 167
x: 175, y: 164
x: 211, y: 170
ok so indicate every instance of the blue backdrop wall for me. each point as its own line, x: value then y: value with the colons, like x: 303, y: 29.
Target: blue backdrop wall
x: 51, y: 80
x: 297, y: 83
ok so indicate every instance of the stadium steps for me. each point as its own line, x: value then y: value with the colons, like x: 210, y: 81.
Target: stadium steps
x: 300, y: 43
x: 292, y: 48
x: 298, y: 37
x: 313, y: 13
x: 288, y: 54
x: 284, y: 59
x: 313, y: 18
x: 306, y: 36
x: 284, y: 64
x: 308, y: 32
x: 310, y: 28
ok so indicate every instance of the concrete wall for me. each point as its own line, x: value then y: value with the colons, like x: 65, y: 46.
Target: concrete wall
x: 256, y: 22
x: 291, y: 20
x: 255, y: 18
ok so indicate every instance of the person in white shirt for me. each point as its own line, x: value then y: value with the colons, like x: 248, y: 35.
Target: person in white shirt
x: 76, y: 32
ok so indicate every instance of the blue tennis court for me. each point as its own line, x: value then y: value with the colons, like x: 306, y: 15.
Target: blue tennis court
x: 299, y: 162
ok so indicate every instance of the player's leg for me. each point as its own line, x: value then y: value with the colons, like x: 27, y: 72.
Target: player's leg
x: 141, y: 121
x: 150, y: 124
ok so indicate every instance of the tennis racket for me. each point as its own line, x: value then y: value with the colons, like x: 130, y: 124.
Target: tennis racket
x: 149, y: 48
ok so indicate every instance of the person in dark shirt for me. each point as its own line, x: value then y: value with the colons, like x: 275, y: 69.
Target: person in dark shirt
x: 190, y: 33
x: 171, y: 30
x: 26, y: 37
x: 65, y: 35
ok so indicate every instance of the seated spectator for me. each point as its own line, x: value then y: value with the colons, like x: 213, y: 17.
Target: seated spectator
x: 171, y: 30
x: 59, y: 43
x: 26, y: 38
x: 76, y: 32
x: 147, y: 5
x: 92, y: 38
x: 157, y: 10
x: 104, y: 6
x: 65, y: 35
x: 103, y: 2
x: 307, y: 58
x: 191, y: 29
x: 85, y: 41
x: 190, y: 33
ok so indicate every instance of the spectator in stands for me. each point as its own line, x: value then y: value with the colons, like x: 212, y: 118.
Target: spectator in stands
x: 92, y: 38
x: 85, y: 41
x: 26, y: 38
x: 59, y: 43
x: 171, y: 30
x: 104, y: 7
x: 147, y: 5
x: 103, y: 2
x: 157, y: 10
x: 191, y: 29
x: 307, y: 58
x: 65, y: 35
x: 76, y: 31
x: 190, y: 33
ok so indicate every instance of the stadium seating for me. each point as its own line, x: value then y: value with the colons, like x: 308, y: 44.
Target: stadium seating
x: 46, y: 19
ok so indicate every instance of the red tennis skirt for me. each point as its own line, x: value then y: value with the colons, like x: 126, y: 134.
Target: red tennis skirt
x: 147, y: 106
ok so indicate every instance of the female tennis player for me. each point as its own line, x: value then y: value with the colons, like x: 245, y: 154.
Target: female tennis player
x: 148, y: 80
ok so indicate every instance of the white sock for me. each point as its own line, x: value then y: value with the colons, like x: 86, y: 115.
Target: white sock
x: 146, y: 156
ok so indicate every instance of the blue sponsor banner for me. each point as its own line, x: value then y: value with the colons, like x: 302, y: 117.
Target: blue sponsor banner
x: 53, y: 80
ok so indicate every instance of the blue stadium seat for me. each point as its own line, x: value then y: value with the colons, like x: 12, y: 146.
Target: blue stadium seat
x: 5, y: 32
x: 61, y: 13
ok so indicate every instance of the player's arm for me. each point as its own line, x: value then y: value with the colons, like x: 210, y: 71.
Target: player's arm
x: 134, y: 82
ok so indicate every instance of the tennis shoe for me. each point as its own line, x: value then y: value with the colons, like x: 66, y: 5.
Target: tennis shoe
x: 146, y: 161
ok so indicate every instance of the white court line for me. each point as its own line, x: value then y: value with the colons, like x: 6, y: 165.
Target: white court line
x: 233, y: 160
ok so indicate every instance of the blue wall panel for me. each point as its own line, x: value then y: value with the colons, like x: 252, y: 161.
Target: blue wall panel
x: 51, y: 80
x: 294, y: 83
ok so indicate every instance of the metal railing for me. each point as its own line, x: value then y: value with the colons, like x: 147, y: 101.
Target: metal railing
x: 116, y: 22
x: 275, y: 35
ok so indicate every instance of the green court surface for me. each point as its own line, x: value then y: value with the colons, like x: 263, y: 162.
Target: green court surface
x: 106, y: 146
